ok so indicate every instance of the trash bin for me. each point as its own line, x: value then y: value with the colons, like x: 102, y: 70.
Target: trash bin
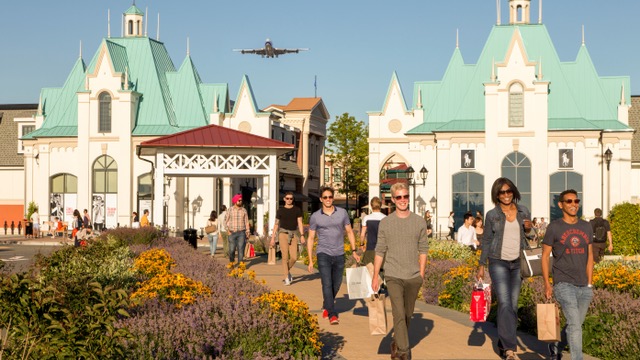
x: 191, y: 236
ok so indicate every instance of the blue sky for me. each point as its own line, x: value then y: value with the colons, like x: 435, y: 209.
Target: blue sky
x: 355, y: 45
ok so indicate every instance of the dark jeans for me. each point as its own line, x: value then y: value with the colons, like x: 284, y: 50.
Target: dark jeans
x: 403, y: 294
x: 237, y: 240
x: 452, y: 233
x: 331, y: 269
x: 506, y: 282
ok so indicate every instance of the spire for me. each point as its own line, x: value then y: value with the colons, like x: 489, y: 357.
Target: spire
x: 146, y: 23
x: 40, y: 105
x: 540, y: 12
x: 158, y: 29
x: 419, y: 104
x: 108, y: 23
x: 188, y: 49
x: 457, y: 38
x: 540, y: 69
x: 582, y: 34
x: 497, y: 12
x: 80, y: 56
x: 215, y: 102
x: 493, y: 70
x: 623, y: 99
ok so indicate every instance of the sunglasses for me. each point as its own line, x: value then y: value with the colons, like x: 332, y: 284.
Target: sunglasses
x: 288, y: 198
x: 400, y: 197
x: 503, y: 192
x: 327, y: 197
x: 571, y: 201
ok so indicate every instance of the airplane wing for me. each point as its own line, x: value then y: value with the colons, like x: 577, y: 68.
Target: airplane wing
x: 262, y: 51
x: 277, y: 51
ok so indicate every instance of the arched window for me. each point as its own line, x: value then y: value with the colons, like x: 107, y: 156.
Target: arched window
x: 105, y: 189
x: 467, y: 193
x: 64, y: 193
x: 105, y: 113
x: 130, y: 27
x: 559, y: 182
x: 516, y: 105
x: 517, y: 168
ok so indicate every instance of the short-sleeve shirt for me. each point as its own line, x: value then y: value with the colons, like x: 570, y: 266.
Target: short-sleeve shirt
x: 330, y: 229
x: 570, y: 248
x: 288, y: 217
x: 372, y: 222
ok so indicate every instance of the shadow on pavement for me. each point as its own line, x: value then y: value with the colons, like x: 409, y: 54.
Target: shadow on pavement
x: 419, y: 329
x: 331, y: 345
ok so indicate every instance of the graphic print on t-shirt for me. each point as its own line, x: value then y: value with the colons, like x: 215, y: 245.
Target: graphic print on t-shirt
x: 577, y: 241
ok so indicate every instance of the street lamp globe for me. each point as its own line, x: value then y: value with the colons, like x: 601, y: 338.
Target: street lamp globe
x: 608, y: 155
x: 410, y: 173
x: 423, y: 174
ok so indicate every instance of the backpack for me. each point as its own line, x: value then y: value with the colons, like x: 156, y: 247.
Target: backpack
x: 599, y: 231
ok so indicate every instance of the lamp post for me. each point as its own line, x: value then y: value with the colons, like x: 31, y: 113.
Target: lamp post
x: 433, y: 202
x: 281, y: 180
x: 423, y: 175
x: 608, y: 155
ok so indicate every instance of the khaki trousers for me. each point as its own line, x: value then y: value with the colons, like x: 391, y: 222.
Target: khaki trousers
x: 289, y: 247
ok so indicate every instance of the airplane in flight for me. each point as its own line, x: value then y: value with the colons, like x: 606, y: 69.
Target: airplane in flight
x: 269, y: 51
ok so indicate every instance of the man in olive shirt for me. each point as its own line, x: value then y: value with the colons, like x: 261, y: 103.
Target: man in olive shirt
x: 402, y: 238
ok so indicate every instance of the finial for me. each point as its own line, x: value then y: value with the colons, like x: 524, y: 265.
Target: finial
x: 188, y: 50
x: 158, y: 30
x: 457, y: 38
x: 540, y: 12
x: 146, y: 22
x: 40, y: 105
x: 419, y: 104
x: 540, y: 69
x: 108, y: 23
x: 582, y: 34
x: 215, y: 102
x: 498, y: 12
x: 493, y: 70
x: 623, y: 99
x: 80, y: 56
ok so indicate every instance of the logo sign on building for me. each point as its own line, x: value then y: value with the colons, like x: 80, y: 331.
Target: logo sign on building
x: 468, y: 159
x: 565, y: 158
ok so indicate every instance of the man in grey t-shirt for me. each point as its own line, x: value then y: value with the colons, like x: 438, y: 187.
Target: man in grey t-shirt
x: 402, y: 238
x: 330, y: 223
x: 570, y: 240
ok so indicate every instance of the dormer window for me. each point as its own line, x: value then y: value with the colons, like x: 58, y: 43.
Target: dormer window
x: 516, y: 105
x: 104, y: 116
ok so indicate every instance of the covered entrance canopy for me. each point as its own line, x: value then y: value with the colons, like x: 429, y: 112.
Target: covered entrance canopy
x: 216, y: 151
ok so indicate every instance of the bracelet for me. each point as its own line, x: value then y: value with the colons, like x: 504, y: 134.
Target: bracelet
x: 589, y: 285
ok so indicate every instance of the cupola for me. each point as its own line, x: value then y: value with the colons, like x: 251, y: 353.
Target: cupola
x: 519, y: 11
x: 133, y: 18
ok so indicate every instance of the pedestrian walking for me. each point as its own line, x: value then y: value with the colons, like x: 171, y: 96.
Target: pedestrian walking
x: 289, y: 230
x: 330, y: 223
x: 77, y: 227
x: 429, y: 219
x: 369, y: 236
x: 478, y: 225
x: 222, y: 227
x: 403, y: 245
x: 144, y: 222
x: 504, y: 239
x: 467, y: 233
x: 135, y: 220
x: 601, y: 235
x: 213, y: 233
x: 569, y: 239
x: 237, y: 224
x: 35, y: 220
x: 452, y: 226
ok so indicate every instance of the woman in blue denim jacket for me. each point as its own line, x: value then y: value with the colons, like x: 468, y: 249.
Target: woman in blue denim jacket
x: 504, y: 239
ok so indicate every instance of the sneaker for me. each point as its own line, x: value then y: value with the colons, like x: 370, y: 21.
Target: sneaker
x: 511, y: 355
x: 325, y: 314
x: 290, y: 278
x: 334, y: 320
x: 286, y: 281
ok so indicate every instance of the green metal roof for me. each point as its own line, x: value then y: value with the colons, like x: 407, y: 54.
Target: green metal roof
x: 171, y: 101
x: 133, y: 10
x: 576, y: 90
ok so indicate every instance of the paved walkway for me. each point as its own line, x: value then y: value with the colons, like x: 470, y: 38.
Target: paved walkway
x: 436, y: 333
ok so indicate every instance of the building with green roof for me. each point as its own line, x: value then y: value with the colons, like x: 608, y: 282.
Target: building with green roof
x: 518, y: 112
x: 83, y: 151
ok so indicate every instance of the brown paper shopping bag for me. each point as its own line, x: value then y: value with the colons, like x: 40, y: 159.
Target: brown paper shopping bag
x: 377, y: 314
x: 548, y: 322
x: 272, y: 256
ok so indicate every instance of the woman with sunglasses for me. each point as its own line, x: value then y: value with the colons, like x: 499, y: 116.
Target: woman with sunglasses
x: 504, y: 239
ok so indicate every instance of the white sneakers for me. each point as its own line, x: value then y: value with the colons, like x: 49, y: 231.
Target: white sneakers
x: 287, y: 281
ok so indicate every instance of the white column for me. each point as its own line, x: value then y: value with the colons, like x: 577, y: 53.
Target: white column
x: 273, y: 189
x: 260, y: 208
x: 158, y: 191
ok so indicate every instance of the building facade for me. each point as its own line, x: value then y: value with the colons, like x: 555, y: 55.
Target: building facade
x: 85, y: 150
x: 518, y: 112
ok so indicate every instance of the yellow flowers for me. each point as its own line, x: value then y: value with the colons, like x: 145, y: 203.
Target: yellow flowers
x: 456, y: 286
x: 240, y: 271
x: 617, y: 276
x: 305, y: 332
x: 162, y: 283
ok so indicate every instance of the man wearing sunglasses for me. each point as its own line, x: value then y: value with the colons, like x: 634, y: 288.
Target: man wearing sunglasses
x: 288, y: 221
x: 403, y: 244
x: 330, y: 223
x: 570, y: 241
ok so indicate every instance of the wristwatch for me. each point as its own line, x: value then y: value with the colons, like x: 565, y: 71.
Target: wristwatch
x: 589, y: 285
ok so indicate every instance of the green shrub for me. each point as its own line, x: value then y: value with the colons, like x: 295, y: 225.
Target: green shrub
x: 625, y: 228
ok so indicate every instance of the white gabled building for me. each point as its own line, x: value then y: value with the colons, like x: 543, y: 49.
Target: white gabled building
x: 517, y: 112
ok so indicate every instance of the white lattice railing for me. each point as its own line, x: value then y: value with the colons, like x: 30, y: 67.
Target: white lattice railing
x: 216, y: 162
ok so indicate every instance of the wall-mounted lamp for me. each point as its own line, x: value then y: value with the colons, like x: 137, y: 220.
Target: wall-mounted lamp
x: 310, y: 173
x: 281, y: 182
x: 608, y: 155
x: 433, y: 202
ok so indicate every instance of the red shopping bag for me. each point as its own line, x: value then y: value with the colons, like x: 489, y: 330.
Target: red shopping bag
x: 480, y: 302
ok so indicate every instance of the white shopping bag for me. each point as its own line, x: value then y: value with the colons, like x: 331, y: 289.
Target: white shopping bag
x: 359, y: 283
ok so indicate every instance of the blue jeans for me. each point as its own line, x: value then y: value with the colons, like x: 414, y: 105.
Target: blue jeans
x: 237, y: 241
x: 330, y: 268
x: 213, y: 242
x: 506, y: 282
x: 574, y: 301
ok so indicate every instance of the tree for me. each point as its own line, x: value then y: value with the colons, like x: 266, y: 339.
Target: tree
x: 348, y: 144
